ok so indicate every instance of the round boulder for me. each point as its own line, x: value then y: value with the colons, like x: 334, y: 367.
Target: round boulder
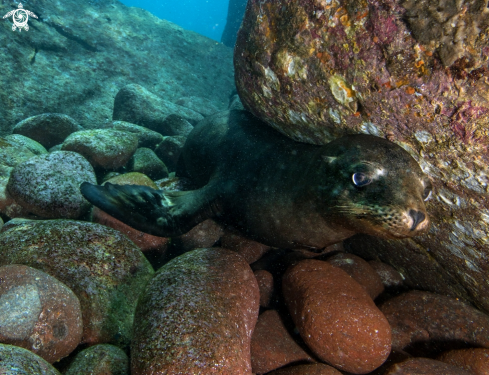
x: 48, y: 185
x: 38, y: 312
x: 23, y: 361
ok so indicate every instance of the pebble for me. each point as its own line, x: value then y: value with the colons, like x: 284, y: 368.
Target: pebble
x: 265, y: 284
x: 272, y: 346
x: 15, y: 360
x: 336, y: 317
x: 360, y: 271
x: 38, y: 312
x: 146, y: 137
x: 176, y: 125
x: 429, y: 320
x: 102, y: 359
x: 35, y: 147
x: 48, y: 185
x: 135, y: 104
x: 390, y: 277
x: 103, y: 148
x: 12, y: 154
x: 146, y: 162
x: 308, y: 369
x: 49, y: 129
x: 169, y: 151
x: 248, y: 249
x: 474, y: 359
x: 196, y: 316
x: 146, y: 242
x: 425, y: 366
x: 204, y: 234
x: 104, y: 269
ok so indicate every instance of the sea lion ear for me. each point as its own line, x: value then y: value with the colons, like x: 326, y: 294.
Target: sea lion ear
x: 329, y: 159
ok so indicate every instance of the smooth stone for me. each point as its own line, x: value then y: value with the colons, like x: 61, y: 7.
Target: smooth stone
x: 103, y: 148
x: 104, y: 269
x: 146, y: 137
x: 205, y: 234
x: 38, y: 313
x: 265, y: 284
x: 135, y: 104
x: 169, y: 151
x: 146, y: 162
x: 474, y: 359
x: 196, y: 316
x: 48, y: 185
x: 308, y: 369
x: 198, y: 104
x: 336, y: 317
x: 391, y: 278
x: 248, y: 249
x: 35, y: 147
x: 49, y: 129
x: 272, y: 346
x: 360, y: 271
x: 23, y: 362
x: 101, y: 359
x: 175, y: 125
x: 424, y: 323
x: 425, y: 366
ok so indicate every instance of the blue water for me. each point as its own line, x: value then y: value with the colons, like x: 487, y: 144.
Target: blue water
x: 206, y: 17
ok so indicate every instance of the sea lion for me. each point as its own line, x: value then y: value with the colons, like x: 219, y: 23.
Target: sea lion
x: 278, y: 191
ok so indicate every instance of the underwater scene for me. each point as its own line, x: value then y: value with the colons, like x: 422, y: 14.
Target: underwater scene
x: 283, y: 187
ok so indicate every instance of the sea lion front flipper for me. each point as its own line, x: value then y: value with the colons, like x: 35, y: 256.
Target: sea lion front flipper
x: 165, y: 214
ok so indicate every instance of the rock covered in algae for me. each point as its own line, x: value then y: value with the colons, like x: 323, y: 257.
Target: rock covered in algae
x: 100, y: 265
x: 102, y: 359
x: 23, y: 362
x: 415, y: 72
x: 197, y: 316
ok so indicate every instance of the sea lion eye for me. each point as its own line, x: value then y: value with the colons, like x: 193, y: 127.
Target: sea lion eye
x: 361, y: 179
x: 427, y: 191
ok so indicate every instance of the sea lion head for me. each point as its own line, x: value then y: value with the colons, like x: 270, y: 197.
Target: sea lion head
x: 380, y: 189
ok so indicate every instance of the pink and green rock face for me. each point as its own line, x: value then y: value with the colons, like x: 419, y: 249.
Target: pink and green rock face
x: 414, y: 72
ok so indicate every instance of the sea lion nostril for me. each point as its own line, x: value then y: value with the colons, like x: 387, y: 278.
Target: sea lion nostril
x: 418, y: 217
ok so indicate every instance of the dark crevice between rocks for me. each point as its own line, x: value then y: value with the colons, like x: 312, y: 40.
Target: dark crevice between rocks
x: 68, y: 35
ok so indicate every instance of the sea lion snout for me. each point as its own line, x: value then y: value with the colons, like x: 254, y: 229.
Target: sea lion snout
x: 418, y: 218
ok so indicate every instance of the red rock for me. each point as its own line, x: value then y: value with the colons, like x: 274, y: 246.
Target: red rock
x: 336, y: 317
x: 391, y: 278
x: 102, y: 359
x: 427, y: 319
x: 38, y: 312
x: 475, y: 360
x: 425, y: 366
x: 248, y: 249
x: 204, y: 234
x: 309, y: 369
x: 272, y: 346
x: 361, y: 272
x: 17, y: 360
x: 145, y: 241
x: 265, y: 284
x: 196, y: 316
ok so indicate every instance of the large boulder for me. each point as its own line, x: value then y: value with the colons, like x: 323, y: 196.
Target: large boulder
x: 414, y: 72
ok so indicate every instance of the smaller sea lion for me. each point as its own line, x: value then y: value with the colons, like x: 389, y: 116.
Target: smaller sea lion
x: 278, y: 191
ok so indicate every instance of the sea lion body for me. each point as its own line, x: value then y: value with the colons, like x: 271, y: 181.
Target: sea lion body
x: 278, y: 191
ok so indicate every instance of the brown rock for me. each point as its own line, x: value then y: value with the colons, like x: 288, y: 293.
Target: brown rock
x: 204, y: 234
x: 396, y: 69
x: 265, y: 284
x: 475, y: 359
x: 272, y: 346
x: 17, y: 360
x: 196, y: 316
x: 361, y: 272
x: 390, y: 277
x: 102, y: 359
x: 104, y: 269
x: 309, y: 369
x: 425, y: 366
x: 248, y: 249
x: 39, y: 313
x: 336, y: 317
x: 145, y: 241
x: 422, y: 322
